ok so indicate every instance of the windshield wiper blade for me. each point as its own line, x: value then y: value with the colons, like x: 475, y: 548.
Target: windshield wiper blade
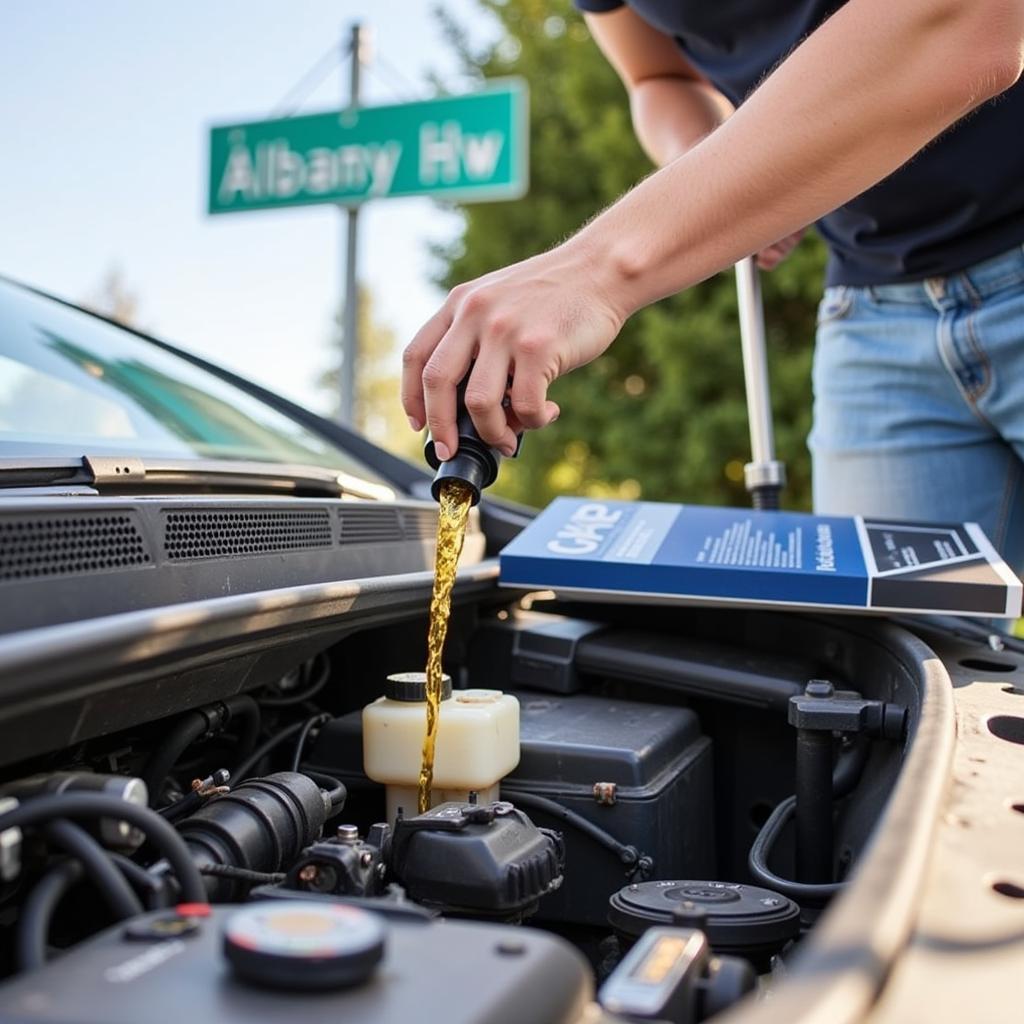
x: 134, y: 474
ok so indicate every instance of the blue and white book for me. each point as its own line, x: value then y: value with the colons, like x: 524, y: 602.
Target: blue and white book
x: 692, y: 554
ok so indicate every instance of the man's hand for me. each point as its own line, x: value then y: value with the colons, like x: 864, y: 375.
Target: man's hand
x: 770, y: 258
x: 527, y: 324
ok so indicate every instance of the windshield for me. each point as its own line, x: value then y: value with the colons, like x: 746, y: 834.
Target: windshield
x: 72, y: 384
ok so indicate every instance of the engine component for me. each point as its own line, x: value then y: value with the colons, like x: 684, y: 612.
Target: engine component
x: 344, y: 865
x: 301, y: 946
x: 738, y: 919
x: 476, y: 747
x: 44, y: 809
x: 670, y: 975
x: 659, y: 801
x: 487, y: 859
x: 118, y: 835
x: 261, y: 826
x: 641, y: 772
x: 195, y: 725
x: 488, y: 974
x: 530, y: 649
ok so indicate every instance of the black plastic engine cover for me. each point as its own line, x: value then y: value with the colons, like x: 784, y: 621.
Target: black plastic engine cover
x: 455, y: 972
x: 479, y: 859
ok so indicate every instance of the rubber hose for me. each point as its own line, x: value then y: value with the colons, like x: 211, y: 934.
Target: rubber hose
x: 628, y: 855
x: 242, y: 772
x: 189, y: 728
x: 42, y: 809
x: 140, y: 879
x: 37, y: 912
x: 111, y: 884
x: 336, y: 790
x: 802, y: 892
x: 310, y: 725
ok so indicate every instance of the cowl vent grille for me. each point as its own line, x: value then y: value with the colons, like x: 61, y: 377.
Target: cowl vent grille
x: 198, y: 533
x: 369, y: 525
x: 64, y: 545
x: 420, y: 523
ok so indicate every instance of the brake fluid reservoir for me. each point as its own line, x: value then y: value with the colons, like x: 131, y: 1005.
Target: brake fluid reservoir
x: 477, y: 742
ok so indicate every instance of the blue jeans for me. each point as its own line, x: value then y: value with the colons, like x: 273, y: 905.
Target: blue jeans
x: 919, y: 401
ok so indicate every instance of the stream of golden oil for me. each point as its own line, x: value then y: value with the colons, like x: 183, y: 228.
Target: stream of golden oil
x: 456, y: 501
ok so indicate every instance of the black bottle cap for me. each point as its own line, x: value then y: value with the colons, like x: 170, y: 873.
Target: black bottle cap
x: 740, y: 919
x: 475, y: 463
x: 412, y: 686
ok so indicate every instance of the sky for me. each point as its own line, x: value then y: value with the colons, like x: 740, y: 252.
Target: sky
x: 104, y: 120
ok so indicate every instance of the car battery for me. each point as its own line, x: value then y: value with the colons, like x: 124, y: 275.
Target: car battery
x: 640, y: 772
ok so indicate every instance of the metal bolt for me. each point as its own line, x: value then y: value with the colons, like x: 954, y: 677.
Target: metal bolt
x: 820, y: 688
x: 366, y: 859
x: 605, y: 793
x: 348, y: 834
x: 309, y: 874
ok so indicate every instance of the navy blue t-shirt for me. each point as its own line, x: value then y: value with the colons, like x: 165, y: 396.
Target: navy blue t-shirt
x: 958, y: 201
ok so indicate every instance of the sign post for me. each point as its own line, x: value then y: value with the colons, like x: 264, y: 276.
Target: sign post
x: 468, y: 148
x: 350, y: 324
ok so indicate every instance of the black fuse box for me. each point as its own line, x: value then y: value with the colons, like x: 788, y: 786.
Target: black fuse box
x: 642, y: 772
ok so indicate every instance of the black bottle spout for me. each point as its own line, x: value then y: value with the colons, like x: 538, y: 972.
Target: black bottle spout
x: 475, y: 463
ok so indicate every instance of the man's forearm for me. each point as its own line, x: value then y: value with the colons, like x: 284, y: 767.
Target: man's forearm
x: 856, y: 100
x: 671, y: 115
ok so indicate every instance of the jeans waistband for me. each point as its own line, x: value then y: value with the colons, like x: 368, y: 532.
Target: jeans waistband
x: 970, y: 285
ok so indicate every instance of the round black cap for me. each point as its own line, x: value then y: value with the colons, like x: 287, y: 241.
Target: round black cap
x: 740, y: 919
x: 302, y: 945
x: 412, y: 686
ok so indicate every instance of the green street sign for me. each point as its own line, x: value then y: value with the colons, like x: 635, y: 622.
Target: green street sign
x: 471, y: 147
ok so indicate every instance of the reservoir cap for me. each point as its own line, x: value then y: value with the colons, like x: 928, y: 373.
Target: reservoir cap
x: 300, y: 945
x: 412, y: 686
x: 743, y: 920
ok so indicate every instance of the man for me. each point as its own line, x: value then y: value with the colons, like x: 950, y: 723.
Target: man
x: 766, y: 116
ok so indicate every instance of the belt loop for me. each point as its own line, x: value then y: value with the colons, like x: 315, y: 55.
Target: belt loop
x: 936, y: 289
x: 969, y: 287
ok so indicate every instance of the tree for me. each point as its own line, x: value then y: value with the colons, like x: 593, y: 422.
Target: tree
x: 113, y: 299
x: 662, y: 414
x: 378, y: 413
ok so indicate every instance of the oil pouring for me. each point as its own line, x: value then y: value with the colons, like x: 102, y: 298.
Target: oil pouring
x: 455, y: 501
x: 424, y: 742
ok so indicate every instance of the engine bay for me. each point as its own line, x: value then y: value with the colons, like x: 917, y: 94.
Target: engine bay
x: 693, y: 790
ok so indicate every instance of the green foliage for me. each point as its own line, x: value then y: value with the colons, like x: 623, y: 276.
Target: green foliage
x: 662, y: 413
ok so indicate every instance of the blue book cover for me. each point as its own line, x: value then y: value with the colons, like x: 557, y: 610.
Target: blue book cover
x: 693, y: 554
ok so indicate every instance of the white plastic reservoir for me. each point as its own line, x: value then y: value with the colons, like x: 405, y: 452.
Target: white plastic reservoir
x: 477, y: 742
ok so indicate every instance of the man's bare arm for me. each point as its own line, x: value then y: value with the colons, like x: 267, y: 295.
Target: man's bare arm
x: 861, y: 95
x: 673, y: 106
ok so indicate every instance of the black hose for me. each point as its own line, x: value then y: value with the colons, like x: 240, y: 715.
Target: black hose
x: 802, y: 892
x: 42, y: 809
x: 195, y: 724
x: 300, y: 745
x: 628, y: 855
x: 150, y: 887
x: 109, y: 882
x: 284, y: 700
x: 335, y: 788
x: 37, y: 912
x: 243, y: 771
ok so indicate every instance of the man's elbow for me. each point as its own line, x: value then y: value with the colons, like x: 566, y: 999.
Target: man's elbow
x: 989, y: 46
